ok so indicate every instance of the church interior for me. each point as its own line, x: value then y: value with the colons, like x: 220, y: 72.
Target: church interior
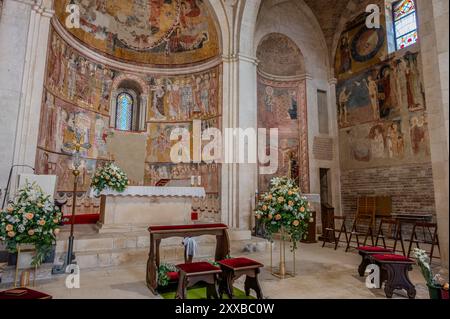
x: 250, y: 149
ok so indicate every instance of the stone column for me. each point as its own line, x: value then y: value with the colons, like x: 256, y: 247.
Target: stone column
x: 334, y: 132
x: 434, y: 43
x: 32, y: 83
x: 239, y: 111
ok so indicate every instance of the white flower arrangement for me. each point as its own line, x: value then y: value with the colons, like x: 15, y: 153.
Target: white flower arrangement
x: 111, y: 177
x: 32, y: 218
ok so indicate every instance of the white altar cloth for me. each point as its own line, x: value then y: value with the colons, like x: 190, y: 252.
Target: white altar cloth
x: 147, y: 191
x: 140, y: 207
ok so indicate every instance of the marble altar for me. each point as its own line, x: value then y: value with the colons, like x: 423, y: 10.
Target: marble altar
x: 139, y: 207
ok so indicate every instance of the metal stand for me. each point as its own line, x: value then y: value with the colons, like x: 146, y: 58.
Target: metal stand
x: 76, y: 146
x: 16, y: 277
x: 281, y: 272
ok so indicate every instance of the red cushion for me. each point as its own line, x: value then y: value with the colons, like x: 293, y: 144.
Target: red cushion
x: 187, y: 227
x: 29, y: 295
x: 235, y: 263
x: 374, y: 249
x: 392, y: 257
x: 173, y: 276
x: 197, y: 267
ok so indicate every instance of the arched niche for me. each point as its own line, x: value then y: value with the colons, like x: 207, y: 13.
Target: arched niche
x: 138, y: 89
x: 282, y: 105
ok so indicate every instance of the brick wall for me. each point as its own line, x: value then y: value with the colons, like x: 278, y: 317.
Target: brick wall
x: 411, y: 187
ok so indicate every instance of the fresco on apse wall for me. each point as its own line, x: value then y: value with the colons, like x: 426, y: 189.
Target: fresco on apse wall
x: 282, y: 105
x: 60, y: 120
x: 381, y: 91
x: 279, y: 55
x: 185, y: 97
x: 359, y: 48
x: 74, y: 97
x: 88, y: 84
x: 386, y: 122
x: 77, y: 79
x: 155, y: 173
x: 162, y: 32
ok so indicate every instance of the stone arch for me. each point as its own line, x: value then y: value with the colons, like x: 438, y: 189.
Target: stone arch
x: 295, y: 20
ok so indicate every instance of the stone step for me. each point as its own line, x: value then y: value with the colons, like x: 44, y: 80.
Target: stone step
x: 113, y: 257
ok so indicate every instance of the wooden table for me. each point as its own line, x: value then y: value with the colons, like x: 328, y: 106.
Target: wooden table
x: 158, y: 233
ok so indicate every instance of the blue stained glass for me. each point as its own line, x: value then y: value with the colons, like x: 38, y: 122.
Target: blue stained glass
x: 124, y: 112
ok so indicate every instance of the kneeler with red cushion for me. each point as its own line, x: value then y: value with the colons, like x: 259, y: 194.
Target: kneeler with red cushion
x: 234, y: 268
x: 366, y: 252
x: 394, y: 271
x: 193, y: 273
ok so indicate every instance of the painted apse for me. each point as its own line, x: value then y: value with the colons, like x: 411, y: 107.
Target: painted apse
x: 80, y: 92
x: 282, y: 105
x: 382, y: 117
x: 158, y: 32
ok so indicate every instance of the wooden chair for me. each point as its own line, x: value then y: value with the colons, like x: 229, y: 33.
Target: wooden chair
x: 432, y: 238
x: 367, y: 206
x: 329, y: 235
x: 366, y: 252
x: 394, y: 232
x: 362, y: 226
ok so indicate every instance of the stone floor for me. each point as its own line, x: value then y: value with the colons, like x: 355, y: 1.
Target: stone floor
x: 321, y: 273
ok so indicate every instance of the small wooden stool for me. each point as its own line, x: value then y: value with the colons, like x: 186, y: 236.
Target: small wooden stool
x: 192, y: 274
x: 233, y: 269
x: 394, y: 271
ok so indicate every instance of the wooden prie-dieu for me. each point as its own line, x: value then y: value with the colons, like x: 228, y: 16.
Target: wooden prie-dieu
x: 158, y: 233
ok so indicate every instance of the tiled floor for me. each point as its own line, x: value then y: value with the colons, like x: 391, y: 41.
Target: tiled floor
x: 321, y: 273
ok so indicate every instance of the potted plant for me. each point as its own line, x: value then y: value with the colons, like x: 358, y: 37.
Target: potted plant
x: 31, y: 219
x: 284, y: 210
x: 110, y: 177
x: 435, y: 284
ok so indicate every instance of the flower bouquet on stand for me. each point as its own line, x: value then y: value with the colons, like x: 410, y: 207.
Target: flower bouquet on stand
x: 110, y: 177
x: 31, y: 219
x: 283, y: 210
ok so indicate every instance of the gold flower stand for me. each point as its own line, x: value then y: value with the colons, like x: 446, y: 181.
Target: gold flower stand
x: 281, y: 272
x: 25, y: 278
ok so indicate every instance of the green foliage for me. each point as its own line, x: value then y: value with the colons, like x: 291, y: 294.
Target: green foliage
x: 111, y: 177
x: 284, y: 210
x: 163, y: 278
x: 32, y: 218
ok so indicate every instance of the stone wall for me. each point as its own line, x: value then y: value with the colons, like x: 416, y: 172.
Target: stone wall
x: 384, y: 124
x: 411, y: 188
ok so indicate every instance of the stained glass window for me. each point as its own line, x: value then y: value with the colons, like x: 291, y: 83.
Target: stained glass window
x: 124, y: 112
x: 405, y: 21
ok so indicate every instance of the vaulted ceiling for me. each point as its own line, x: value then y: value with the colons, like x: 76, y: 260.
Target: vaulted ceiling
x: 328, y: 14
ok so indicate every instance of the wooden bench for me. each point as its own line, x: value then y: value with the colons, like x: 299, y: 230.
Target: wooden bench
x: 394, y: 272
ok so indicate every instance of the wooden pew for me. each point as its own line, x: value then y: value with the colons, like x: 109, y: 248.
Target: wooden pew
x: 158, y: 233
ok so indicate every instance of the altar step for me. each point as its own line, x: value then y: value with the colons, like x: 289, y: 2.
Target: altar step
x: 95, y: 250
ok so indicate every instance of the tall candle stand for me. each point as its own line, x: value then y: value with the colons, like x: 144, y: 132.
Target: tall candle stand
x: 76, y: 146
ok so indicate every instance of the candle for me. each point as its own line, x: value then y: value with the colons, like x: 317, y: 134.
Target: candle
x: 192, y: 180
x: 199, y: 181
